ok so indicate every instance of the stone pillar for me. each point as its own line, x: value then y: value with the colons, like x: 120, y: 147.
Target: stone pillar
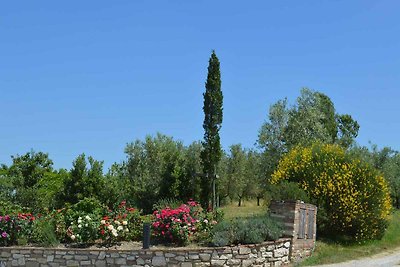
x: 299, y: 222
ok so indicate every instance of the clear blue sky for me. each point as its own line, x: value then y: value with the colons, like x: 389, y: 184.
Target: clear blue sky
x: 91, y: 76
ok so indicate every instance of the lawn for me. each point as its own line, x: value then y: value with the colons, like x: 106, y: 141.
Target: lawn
x: 248, y: 208
x: 333, y: 252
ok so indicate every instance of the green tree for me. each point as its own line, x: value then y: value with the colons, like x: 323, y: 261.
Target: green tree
x: 189, y: 186
x: 25, y: 172
x: 237, y: 173
x: 83, y: 182
x: 391, y: 170
x: 155, y: 169
x: 211, y: 153
x: 116, y: 186
x: 312, y: 118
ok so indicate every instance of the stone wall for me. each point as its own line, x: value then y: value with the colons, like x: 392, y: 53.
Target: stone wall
x: 260, y: 255
x: 299, y: 220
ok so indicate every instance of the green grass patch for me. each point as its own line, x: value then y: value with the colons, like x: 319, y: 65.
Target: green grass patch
x: 248, y: 208
x: 328, y: 251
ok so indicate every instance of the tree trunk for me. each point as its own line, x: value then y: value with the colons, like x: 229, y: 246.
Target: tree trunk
x: 258, y: 201
x: 240, y: 202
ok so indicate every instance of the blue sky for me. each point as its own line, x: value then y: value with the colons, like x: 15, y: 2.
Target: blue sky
x: 91, y: 76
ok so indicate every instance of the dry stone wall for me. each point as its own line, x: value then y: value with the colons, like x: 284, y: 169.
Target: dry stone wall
x: 260, y: 255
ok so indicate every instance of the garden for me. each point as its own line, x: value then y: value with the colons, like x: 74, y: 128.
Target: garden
x: 89, y: 223
x: 193, y: 195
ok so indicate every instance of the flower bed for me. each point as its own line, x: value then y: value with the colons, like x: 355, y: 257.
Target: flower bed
x: 89, y: 222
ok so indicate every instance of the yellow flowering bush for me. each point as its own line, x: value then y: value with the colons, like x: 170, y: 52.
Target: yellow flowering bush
x: 351, y: 195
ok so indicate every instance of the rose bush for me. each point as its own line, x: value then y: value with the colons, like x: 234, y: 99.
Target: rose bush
x: 183, y: 224
x: 83, y: 230
x: 15, y: 228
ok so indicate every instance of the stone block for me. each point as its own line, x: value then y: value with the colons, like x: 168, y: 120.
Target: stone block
x: 218, y: 262
x: 244, y: 250
x: 120, y: 261
x: 102, y: 255
x: 246, y: 263
x: 205, y: 256
x: 159, y: 261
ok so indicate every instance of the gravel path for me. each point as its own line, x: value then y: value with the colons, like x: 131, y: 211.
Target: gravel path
x: 386, y: 259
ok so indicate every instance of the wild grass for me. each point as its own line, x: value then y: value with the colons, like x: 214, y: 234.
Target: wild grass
x: 248, y: 208
x: 328, y: 251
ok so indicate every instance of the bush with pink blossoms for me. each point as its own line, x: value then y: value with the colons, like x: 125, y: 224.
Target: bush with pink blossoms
x: 15, y: 229
x: 182, y: 224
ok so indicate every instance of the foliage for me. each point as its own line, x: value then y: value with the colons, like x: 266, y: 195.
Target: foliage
x: 167, y: 203
x: 246, y: 231
x: 180, y: 225
x: 241, y: 177
x: 391, y: 170
x: 212, y: 107
x: 6, y: 207
x: 84, y: 229
x: 353, y: 194
x: 24, y: 173
x: 43, y: 232
x: 134, y: 221
x: 312, y: 118
x: 154, y: 169
x: 287, y: 191
x: 83, y: 181
x: 15, y: 228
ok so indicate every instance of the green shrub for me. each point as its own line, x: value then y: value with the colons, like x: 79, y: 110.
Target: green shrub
x: 44, y: 232
x: 287, y: 191
x: 84, y: 230
x: 246, y: 231
x: 167, y: 203
x: 88, y: 206
x: 352, y: 196
x: 7, y: 207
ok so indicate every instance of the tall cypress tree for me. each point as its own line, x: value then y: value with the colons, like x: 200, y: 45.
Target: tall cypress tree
x: 211, y: 153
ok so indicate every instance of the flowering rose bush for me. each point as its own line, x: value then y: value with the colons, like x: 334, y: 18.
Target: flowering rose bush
x: 83, y: 230
x: 113, y: 230
x: 15, y: 227
x: 182, y: 224
x: 5, y: 229
x: 124, y: 223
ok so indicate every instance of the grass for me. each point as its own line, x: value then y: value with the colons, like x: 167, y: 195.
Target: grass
x: 248, y: 208
x: 333, y: 252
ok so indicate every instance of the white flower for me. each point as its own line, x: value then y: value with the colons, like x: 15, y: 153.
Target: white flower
x: 86, y: 225
x: 117, y: 222
x: 87, y: 217
x: 73, y: 237
x: 79, y: 225
x: 114, y: 232
x: 126, y: 230
x: 205, y: 220
x: 110, y: 227
x: 103, y: 221
x: 125, y: 223
x: 79, y: 220
x: 120, y: 228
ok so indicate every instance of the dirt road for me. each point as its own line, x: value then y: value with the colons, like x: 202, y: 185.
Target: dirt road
x: 386, y: 259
